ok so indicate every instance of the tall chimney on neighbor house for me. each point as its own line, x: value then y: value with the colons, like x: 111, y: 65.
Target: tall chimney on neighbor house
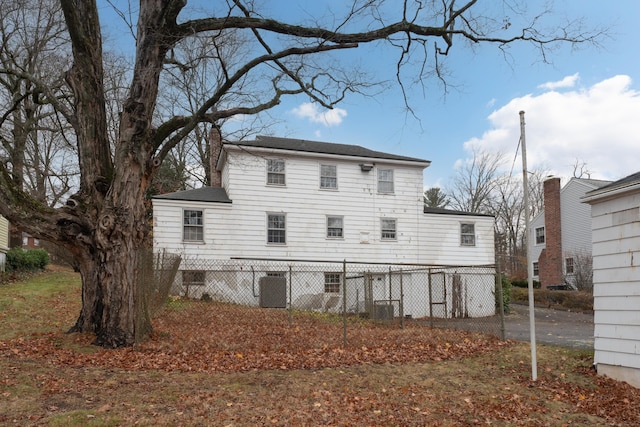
x: 551, y: 266
x: 215, y: 146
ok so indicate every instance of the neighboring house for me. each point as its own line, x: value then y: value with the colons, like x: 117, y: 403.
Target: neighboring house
x: 560, y: 235
x: 292, y: 200
x: 615, y: 219
x: 4, y: 242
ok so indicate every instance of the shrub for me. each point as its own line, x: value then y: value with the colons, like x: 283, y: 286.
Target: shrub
x: 19, y: 259
x: 523, y: 283
x: 567, y: 300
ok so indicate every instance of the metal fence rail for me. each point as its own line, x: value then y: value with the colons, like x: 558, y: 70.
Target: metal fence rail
x: 457, y: 297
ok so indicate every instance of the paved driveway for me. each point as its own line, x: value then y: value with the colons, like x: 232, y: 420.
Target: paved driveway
x: 555, y: 327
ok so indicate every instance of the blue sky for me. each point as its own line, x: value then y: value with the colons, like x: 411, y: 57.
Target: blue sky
x: 584, y: 107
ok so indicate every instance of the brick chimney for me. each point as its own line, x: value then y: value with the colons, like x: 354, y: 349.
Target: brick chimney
x: 550, y: 261
x: 215, y: 146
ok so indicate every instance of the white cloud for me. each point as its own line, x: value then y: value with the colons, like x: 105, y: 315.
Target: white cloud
x: 569, y: 81
x: 313, y: 113
x: 597, y: 125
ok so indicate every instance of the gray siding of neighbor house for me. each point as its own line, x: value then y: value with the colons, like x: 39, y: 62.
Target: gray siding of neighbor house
x: 576, y: 219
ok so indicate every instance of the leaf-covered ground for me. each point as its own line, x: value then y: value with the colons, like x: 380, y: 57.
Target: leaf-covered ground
x: 237, y: 366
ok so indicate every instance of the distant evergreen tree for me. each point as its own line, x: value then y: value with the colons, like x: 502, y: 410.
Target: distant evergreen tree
x: 435, y: 198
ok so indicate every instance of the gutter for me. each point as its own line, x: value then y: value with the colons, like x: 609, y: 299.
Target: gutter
x: 593, y: 196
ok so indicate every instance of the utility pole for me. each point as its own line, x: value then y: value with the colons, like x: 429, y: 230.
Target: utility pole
x: 532, y: 320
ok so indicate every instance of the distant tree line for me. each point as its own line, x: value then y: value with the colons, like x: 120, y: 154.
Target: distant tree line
x: 480, y: 186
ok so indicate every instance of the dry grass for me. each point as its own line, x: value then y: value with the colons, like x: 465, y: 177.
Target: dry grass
x: 206, y: 371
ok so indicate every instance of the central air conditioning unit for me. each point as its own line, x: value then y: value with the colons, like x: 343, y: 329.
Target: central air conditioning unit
x: 273, y: 292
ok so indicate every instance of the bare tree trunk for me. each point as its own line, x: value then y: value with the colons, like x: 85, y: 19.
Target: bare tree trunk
x: 110, y: 271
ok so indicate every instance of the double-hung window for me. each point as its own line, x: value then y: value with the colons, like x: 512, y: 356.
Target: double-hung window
x: 335, y: 227
x: 275, y: 172
x: 467, y: 234
x: 539, y: 235
x: 536, y: 269
x: 193, y: 226
x: 332, y: 282
x: 385, y: 180
x: 388, y: 229
x: 569, y: 267
x: 328, y: 177
x: 276, y: 230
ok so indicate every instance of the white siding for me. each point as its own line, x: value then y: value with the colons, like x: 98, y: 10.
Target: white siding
x: 440, y: 240
x: 616, y: 265
x: 239, y: 229
x: 306, y: 207
x: 4, y: 241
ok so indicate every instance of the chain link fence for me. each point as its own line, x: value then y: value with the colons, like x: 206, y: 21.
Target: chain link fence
x: 397, y: 296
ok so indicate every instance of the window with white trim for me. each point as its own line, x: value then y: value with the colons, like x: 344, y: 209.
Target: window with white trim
x: 467, y: 234
x: 536, y: 269
x: 385, y: 181
x: 569, y: 267
x: 335, y: 227
x: 539, y: 235
x: 328, y: 177
x: 275, y: 172
x: 192, y: 226
x: 388, y: 229
x: 276, y: 228
x: 332, y: 282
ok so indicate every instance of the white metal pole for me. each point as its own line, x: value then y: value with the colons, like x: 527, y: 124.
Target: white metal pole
x: 532, y: 321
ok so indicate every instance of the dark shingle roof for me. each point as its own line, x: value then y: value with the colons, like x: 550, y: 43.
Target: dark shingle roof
x: 443, y: 211
x: 627, y: 181
x: 322, y: 148
x: 597, y: 183
x: 204, y: 194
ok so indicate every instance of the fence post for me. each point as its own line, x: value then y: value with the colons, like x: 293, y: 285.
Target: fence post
x: 430, y: 300
x: 344, y: 303
x: 401, y: 304
x: 391, y: 296
x: 290, y: 298
x: 503, y: 332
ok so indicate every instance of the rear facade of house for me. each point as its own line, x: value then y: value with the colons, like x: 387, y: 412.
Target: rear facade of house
x: 304, y: 202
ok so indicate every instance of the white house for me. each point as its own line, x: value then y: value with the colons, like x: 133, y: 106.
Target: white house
x: 298, y: 201
x: 4, y: 241
x: 615, y: 213
x: 560, y: 235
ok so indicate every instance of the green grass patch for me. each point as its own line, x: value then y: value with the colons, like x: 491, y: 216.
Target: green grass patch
x: 47, y: 302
